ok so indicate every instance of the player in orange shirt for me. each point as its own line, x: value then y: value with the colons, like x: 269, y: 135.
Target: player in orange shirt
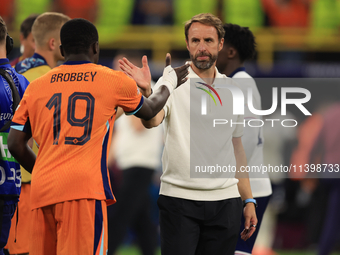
x: 46, y: 33
x: 70, y: 112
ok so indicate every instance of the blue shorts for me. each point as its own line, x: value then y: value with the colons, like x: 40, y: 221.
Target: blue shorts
x: 246, y: 247
x: 6, y: 214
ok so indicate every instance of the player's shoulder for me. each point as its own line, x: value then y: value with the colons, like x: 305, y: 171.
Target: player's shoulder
x: 101, y: 68
x: 242, y: 74
x: 225, y: 80
x: 38, y: 78
x: 110, y: 73
x: 35, y: 73
x: 23, y: 80
x: 21, y: 66
x: 17, y: 78
x: 14, y: 74
x: 121, y: 76
x: 244, y: 80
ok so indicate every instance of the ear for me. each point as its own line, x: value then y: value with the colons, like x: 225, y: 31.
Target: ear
x: 186, y: 41
x: 95, y: 48
x: 231, y: 52
x: 220, y: 44
x: 62, y: 50
x: 52, y: 44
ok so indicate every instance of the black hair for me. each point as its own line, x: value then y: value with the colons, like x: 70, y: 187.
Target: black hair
x: 26, y: 25
x: 3, y: 30
x: 242, y: 39
x: 77, y: 35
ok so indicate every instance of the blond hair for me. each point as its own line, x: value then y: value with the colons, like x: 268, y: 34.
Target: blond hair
x: 207, y: 19
x: 48, y: 25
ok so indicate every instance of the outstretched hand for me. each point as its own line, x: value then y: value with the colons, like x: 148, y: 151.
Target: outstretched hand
x: 181, y: 71
x: 142, y: 76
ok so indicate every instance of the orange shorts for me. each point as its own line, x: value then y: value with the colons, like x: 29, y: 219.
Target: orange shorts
x: 21, y: 231
x: 72, y: 227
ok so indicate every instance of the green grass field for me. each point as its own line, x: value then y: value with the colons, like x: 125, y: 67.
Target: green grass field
x: 131, y: 250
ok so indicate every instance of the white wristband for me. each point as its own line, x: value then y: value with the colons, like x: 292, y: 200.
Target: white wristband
x: 169, y: 78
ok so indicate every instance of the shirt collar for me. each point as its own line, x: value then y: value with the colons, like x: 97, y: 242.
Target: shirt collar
x: 240, y: 69
x: 4, y: 62
x: 35, y: 61
x: 77, y: 62
x: 38, y: 56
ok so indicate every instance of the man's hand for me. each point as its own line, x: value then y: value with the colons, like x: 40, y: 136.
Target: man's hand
x: 174, y: 77
x: 18, y: 147
x: 142, y: 76
x: 244, y: 189
x: 182, y: 72
x: 250, y: 221
x: 155, y: 103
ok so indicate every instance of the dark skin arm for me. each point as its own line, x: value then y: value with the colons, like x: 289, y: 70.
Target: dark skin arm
x: 155, y: 103
x: 17, y: 140
x: 143, y: 78
x: 20, y: 150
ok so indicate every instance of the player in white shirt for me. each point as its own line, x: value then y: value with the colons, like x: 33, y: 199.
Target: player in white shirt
x: 239, y: 46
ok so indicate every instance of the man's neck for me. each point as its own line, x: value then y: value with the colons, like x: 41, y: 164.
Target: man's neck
x: 48, y: 56
x: 207, y: 75
x: 3, y: 53
x: 25, y: 55
x: 78, y: 57
x: 232, y: 66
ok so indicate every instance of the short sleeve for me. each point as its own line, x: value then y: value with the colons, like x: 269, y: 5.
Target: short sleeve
x: 129, y: 97
x: 20, y: 119
x: 238, y: 132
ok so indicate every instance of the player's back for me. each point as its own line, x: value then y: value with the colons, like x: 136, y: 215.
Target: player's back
x: 70, y: 110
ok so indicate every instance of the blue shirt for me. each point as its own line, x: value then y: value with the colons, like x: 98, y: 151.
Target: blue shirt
x: 29, y: 63
x: 10, y: 176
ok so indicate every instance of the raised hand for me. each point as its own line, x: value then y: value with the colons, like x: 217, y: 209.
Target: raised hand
x: 142, y: 76
x: 182, y: 72
x: 177, y: 78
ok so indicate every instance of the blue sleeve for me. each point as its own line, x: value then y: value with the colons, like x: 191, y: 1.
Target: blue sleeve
x: 23, y: 84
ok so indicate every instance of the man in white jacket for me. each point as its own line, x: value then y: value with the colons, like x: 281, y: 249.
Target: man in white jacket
x: 199, y: 215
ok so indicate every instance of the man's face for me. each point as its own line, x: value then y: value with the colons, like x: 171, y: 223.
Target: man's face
x: 203, y: 45
x: 29, y: 45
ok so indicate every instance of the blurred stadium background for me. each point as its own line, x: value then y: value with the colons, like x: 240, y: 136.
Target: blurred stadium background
x: 295, y: 39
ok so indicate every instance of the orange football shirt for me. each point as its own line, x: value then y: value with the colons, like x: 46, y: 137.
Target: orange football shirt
x: 70, y: 112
